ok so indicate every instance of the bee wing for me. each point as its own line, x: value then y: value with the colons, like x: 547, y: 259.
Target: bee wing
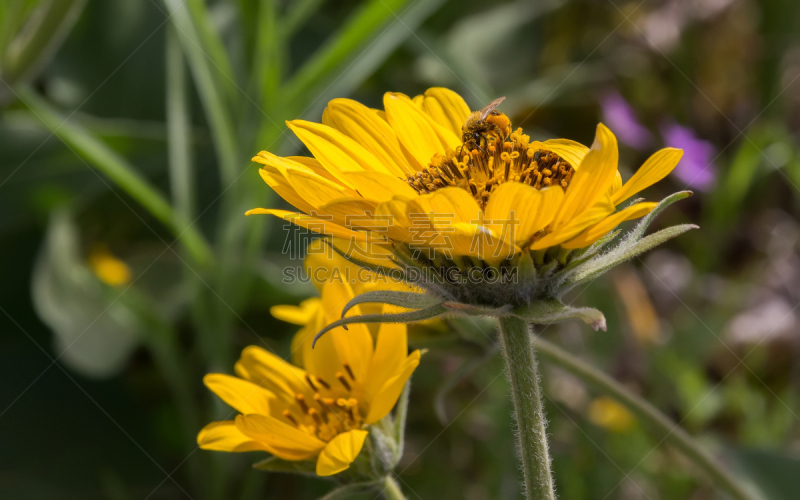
x: 490, y: 107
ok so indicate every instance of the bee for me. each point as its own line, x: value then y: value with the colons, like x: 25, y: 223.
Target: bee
x: 485, y: 123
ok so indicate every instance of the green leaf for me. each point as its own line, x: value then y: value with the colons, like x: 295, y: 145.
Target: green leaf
x: 605, y: 262
x: 546, y: 312
x: 120, y: 172
x: 400, y: 414
x: 473, y: 310
x: 94, y: 332
x: 275, y: 464
x: 642, y: 226
x: 404, y: 317
x: 409, y: 300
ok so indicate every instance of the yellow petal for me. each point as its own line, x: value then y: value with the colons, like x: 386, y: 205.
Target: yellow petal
x: 380, y: 187
x: 616, y: 185
x: 371, y: 253
x: 290, y: 442
x: 386, y: 397
x: 316, y: 224
x: 296, y: 315
x: 479, y: 241
x: 602, y: 228
x: 447, y: 108
x: 313, y: 189
x: 447, y: 206
x: 324, y: 261
x: 595, y: 214
x: 272, y: 373
x: 334, y: 150
x: 282, y: 164
x: 517, y: 211
x: 573, y: 152
x: 224, y: 436
x: 361, y: 124
x: 354, y: 345
x: 245, y: 397
x: 654, y: 169
x: 397, y: 210
x: 391, y: 347
x: 421, y: 136
x: 340, y: 452
x: 297, y: 347
x: 313, y: 165
x: 356, y: 214
x: 593, y: 178
x: 278, y: 182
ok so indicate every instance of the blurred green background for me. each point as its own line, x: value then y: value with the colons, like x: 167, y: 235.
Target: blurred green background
x: 128, y: 270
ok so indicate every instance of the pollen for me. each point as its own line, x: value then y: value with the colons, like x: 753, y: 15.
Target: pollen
x: 330, y: 410
x: 480, y: 171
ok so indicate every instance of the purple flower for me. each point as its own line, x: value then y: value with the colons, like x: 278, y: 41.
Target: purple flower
x: 695, y: 169
x: 621, y: 118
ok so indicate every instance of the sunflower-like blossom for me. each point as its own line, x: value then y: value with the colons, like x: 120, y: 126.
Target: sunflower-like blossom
x: 431, y: 186
x: 322, y: 411
x: 374, y: 171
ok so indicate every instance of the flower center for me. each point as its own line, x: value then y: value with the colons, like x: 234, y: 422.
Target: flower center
x: 480, y: 170
x: 332, y: 410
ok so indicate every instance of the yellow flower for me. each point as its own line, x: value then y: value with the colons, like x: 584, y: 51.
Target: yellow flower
x: 320, y: 412
x: 606, y: 413
x: 108, y: 268
x: 324, y: 266
x: 402, y: 175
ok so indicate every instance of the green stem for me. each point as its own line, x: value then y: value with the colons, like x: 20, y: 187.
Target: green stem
x: 648, y: 414
x: 391, y: 490
x: 523, y: 376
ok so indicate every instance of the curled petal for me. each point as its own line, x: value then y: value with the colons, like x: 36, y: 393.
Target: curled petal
x: 340, y: 452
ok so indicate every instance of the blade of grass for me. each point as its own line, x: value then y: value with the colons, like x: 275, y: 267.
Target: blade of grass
x: 121, y: 173
x: 364, y: 64
x: 212, y: 45
x: 179, y: 133
x: 214, y: 103
x: 368, y: 20
x: 297, y: 15
x: 39, y: 38
x: 268, y: 56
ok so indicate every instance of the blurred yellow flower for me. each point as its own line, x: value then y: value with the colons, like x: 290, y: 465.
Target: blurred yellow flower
x: 642, y: 315
x: 326, y: 266
x: 607, y: 413
x: 108, y: 269
x: 402, y: 175
x: 319, y: 412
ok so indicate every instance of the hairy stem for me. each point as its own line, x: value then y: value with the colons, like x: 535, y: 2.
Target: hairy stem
x: 523, y: 376
x: 391, y: 490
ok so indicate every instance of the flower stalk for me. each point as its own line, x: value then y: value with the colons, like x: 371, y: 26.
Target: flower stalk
x: 391, y: 490
x: 523, y: 376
